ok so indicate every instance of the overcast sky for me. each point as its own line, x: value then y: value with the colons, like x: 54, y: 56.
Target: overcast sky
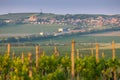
x: 61, y: 6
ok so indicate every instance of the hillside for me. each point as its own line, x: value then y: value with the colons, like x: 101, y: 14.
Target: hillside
x: 48, y: 23
x: 30, y: 28
x: 111, y: 33
x: 51, y: 15
x: 15, y: 16
x: 79, y: 20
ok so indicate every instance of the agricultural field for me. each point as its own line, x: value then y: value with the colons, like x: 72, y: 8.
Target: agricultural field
x: 83, y: 43
x: 72, y: 66
x: 30, y: 28
x: 53, y: 60
x: 113, y: 33
x: 79, y: 39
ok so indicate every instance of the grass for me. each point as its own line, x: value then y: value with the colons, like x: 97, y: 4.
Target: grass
x: 62, y: 49
x: 15, y: 16
x: 85, y: 49
x: 66, y: 40
x: 80, y: 39
x: 30, y: 28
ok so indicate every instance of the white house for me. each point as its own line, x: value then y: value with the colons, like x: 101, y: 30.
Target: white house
x: 41, y: 33
x: 62, y: 30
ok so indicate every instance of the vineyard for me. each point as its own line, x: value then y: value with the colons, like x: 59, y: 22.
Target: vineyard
x: 40, y: 66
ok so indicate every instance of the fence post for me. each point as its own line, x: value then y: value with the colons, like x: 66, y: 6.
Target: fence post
x: 22, y: 57
x: 78, y: 53
x: 56, y: 53
x: 113, y: 57
x: 77, y: 56
x: 13, y: 55
x: 103, y: 55
x: 72, y: 59
x: 92, y: 52
x: 37, y: 55
x: 8, y: 49
x: 97, y: 52
x: 43, y: 54
x: 113, y: 50
x: 30, y: 64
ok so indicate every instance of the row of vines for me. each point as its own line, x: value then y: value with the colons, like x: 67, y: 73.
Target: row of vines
x: 56, y: 67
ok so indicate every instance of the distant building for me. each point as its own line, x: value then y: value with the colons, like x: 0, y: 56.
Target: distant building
x: 42, y: 33
x: 33, y: 18
x: 8, y: 21
x: 62, y: 30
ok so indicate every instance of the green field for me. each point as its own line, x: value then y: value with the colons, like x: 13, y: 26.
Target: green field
x: 63, y: 50
x: 64, y: 42
x: 30, y: 28
x: 83, y: 43
x: 80, y: 39
x: 16, y: 16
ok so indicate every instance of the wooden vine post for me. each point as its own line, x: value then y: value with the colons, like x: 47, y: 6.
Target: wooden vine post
x: 13, y: 55
x: 56, y: 52
x: 37, y: 56
x: 8, y: 49
x: 97, y: 52
x: 113, y: 50
x: 103, y: 55
x: 72, y: 59
x: 92, y: 52
x: 113, y: 57
x: 22, y: 58
x: 77, y: 56
x: 30, y: 64
x: 78, y: 53
x: 43, y: 54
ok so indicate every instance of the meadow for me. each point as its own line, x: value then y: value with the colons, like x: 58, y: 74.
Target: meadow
x: 26, y: 63
x: 63, y: 44
x: 30, y: 28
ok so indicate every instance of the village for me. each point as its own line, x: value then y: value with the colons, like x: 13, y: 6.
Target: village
x: 81, y: 24
x: 76, y: 20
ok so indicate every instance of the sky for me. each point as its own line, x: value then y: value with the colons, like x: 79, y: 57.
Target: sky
x: 61, y: 6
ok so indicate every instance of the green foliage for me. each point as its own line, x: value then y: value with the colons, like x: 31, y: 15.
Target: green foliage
x: 5, y: 63
x: 57, y: 68
x: 57, y: 75
x: 48, y: 64
x: 19, y: 70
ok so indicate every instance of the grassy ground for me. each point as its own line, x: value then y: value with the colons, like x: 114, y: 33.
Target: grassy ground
x: 84, y: 43
x: 80, y: 39
x: 85, y: 49
x: 63, y: 51
x: 30, y: 28
x: 65, y: 41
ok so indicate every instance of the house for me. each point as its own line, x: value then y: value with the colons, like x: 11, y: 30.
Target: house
x: 8, y: 21
x: 33, y: 18
x: 62, y: 30
x: 42, y: 33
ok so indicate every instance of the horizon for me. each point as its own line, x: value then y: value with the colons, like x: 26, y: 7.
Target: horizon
x: 61, y: 6
x: 57, y: 13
